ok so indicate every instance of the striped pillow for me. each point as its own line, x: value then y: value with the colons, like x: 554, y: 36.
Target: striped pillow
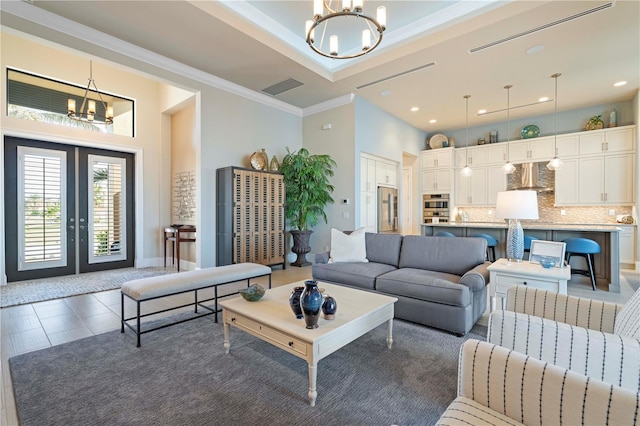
x: 627, y: 322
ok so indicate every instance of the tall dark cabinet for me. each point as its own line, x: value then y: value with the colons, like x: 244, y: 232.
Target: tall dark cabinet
x: 250, y: 217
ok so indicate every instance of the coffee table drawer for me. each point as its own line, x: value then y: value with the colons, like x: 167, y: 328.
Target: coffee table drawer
x: 269, y: 334
x: 503, y: 282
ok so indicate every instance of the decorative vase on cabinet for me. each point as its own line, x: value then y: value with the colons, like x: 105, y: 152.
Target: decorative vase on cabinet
x: 311, y: 303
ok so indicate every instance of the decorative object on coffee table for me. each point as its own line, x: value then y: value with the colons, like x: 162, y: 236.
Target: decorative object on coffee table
x: 329, y: 307
x: 294, y: 301
x: 595, y: 122
x: 253, y: 293
x: 311, y: 303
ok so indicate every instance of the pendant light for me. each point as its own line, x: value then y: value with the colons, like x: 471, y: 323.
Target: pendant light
x: 508, y: 168
x: 466, y: 171
x: 555, y: 163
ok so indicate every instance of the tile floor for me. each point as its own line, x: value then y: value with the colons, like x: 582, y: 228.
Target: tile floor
x: 40, y: 325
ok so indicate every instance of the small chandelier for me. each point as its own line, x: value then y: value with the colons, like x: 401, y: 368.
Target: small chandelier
x: 508, y: 168
x: 323, y: 12
x: 466, y: 171
x: 555, y: 163
x: 88, y: 108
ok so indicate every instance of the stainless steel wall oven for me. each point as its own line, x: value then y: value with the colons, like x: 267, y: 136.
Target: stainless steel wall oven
x: 435, y: 208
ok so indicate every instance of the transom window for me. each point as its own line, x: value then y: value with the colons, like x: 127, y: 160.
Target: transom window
x: 32, y: 97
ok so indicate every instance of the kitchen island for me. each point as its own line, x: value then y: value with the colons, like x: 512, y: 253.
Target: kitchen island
x: 607, y: 262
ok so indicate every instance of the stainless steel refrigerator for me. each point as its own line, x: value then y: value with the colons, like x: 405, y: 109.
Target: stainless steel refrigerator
x: 387, y: 210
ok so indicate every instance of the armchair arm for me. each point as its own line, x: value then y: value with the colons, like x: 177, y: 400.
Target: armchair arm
x: 322, y: 257
x: 477, y: 278
x: 533, y: 392
x: 604, y: 356
x: 582, y: 312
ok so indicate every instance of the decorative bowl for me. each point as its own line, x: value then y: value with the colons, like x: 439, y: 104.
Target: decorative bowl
x: 547, y: 262
x: 530, y: 131
x: 253, y: 293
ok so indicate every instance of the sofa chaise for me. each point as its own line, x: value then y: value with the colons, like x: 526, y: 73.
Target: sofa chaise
x: 439, y: 282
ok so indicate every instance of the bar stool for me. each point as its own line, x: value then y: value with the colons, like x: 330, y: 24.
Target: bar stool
x: 527, y: 243
x: 444, y: 234
x: 586, y: 248
x: 491, y: 244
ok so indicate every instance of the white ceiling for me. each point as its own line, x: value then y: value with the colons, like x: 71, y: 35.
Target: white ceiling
x: 256, y: 44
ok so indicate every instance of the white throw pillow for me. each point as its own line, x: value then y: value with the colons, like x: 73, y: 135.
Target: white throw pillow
x: 348, y: 248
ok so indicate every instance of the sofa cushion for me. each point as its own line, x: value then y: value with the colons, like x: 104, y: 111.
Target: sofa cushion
x: 450, y: 255
x: 425, y: 285
x: 627, y: 321
x: 348, y: 248
x: 383, y: 248
x: 360, y: 275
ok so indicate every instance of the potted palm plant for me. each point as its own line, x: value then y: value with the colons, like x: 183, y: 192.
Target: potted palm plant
x: 308, y: 191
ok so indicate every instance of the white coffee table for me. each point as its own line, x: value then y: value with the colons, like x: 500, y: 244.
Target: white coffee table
x: 272, y: 320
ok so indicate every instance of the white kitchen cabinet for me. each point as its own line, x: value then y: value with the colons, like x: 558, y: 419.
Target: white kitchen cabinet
x: 606, y: 180
x: 496, y: 153
x: 472, y: 156
x: 535, y: 149
x: 386, y: 174
x: 368, y: 211
x: 567, y: 146
x: 627, y: 245
x: 367, y: 174
x: 566, y: 183
x: 607, y: 141
x: 496, y: 182
x: 436, y: 158
x: 436, y: 180
x: 471, y: 190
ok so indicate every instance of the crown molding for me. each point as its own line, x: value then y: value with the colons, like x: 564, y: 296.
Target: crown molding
x: 73, y: 29
x: 327, y: 105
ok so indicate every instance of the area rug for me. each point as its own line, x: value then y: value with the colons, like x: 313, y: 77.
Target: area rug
x: 633, y: 278
x: 181, y: 376
x: 31, y: 291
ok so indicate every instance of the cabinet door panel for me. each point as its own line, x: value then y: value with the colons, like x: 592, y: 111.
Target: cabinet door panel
x: 619, y: 179
x: 541, y: 149
x: 496, y: 182
x: 443, y: 179
x: 462, y: 185
x: 591, y: 181
x: 478, y: 186
x: 591, y: 143
x: 496, y: 153
x: 619, y: 140
x: 519, y: 152
x: 566, y: 183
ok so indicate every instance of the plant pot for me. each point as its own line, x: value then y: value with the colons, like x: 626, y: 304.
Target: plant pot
x: 301, y: 247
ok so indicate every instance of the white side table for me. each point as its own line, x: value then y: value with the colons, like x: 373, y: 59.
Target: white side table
x: 504, y: 274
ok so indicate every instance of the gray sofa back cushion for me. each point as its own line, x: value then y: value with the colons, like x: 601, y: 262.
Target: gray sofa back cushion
x: 383, y: 248
x: 450, y: 255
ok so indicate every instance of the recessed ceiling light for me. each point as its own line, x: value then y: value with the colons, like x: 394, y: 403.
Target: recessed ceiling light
x: 433, y: 120
x: 414, y: 109
x: 482, y: 111
x: 535, y: 49
x: 543, y: 99
x: 385, y: 93
x: 620, y: 83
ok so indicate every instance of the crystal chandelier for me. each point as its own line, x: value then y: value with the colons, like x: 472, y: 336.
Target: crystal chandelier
x: 326, y: 10
x: 87, y: 110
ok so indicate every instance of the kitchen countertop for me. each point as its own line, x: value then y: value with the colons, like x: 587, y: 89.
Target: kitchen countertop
x: 608, y: 227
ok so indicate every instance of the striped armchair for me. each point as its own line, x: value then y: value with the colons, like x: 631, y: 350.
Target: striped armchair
x: 501, y: 387
x: 594, y: 338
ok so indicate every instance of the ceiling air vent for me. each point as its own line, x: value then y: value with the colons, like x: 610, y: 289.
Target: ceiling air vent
x: 283, y: 86
x: 400, y: 74
x: 543, y: 27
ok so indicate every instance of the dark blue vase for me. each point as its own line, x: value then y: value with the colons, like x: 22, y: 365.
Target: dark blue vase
x: 329, y: 308
x: 311, y: 303
x: 294, y: 301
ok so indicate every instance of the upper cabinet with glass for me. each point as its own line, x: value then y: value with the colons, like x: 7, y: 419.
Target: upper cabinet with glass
x: 32, y: 97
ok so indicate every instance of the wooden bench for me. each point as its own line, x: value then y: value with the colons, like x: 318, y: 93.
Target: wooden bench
x: 145, y: 289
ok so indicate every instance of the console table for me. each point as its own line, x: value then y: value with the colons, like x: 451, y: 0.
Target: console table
x: 177, y: 235
x: 504, y: 274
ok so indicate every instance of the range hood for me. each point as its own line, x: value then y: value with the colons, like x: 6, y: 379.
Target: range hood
x: 529, y: 180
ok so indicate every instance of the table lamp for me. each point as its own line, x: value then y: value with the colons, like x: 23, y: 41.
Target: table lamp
x: 516, y: 205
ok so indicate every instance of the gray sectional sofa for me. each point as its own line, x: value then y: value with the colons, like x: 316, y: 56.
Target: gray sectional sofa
x: 440, y: 282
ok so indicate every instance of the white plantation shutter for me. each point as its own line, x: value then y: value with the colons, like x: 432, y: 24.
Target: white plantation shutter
x: 41, y: 208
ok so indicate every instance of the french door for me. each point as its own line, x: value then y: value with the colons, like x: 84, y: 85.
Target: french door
x: 67, y: 209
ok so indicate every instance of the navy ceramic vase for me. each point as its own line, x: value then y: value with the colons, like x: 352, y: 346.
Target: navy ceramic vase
x: 311, y: 303
x: 294, y: 301
x: 329, y: 308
